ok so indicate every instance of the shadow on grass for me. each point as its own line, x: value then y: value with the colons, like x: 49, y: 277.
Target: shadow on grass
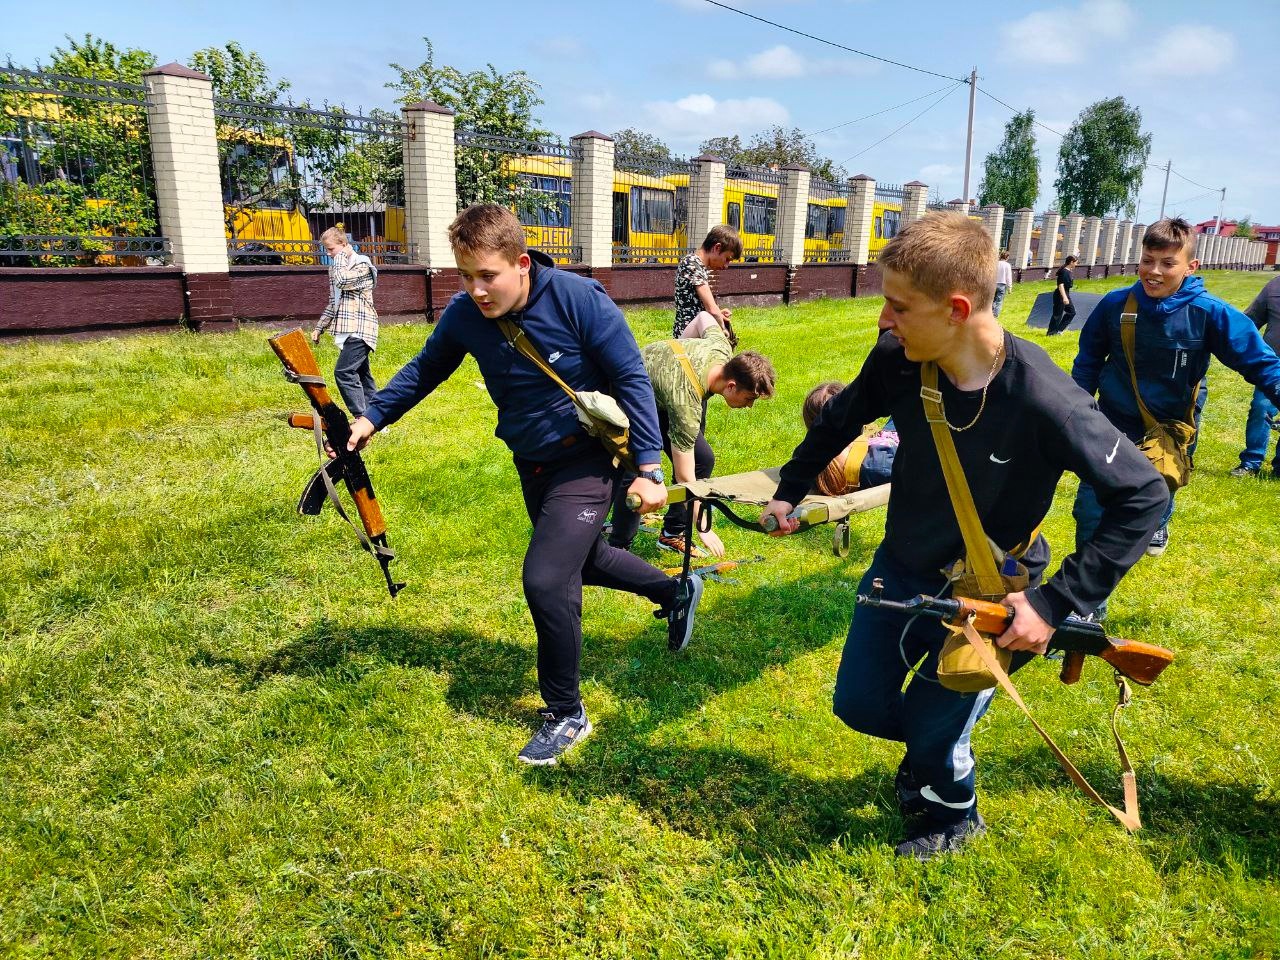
x: 487, y: 676
x: 1184, y: 820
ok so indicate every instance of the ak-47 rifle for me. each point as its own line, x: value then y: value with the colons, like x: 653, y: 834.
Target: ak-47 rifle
x: 1076, y: 638
x: 347, y: 465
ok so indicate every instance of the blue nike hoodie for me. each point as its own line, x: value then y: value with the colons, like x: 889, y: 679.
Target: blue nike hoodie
x: 1175, y: 337
x: 571, y: 321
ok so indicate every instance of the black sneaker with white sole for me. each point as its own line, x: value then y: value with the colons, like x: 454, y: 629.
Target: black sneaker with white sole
x: 680, y: 617
x: 926, y: 838
x: 557, y: 735
x: 1159, y: 541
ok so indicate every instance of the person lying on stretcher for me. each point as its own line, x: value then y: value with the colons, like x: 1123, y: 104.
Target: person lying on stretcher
x: 863, y: 464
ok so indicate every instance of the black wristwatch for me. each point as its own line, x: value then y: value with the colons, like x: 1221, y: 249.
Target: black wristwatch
x: 656, y: 475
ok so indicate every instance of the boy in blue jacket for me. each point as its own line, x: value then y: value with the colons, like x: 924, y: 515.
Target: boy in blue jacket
x: 1180, y: 326
x: 566, y: 476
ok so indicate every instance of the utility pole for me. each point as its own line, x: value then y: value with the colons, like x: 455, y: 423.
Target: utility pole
x: 1217, y: 224
x: 1164, y: 195
x: 968, y: 144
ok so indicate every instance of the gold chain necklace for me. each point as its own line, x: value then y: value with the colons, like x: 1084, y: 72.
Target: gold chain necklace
x: 981, y: 406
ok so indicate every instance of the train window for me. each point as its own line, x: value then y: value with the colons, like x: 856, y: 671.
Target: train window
x: 652, y: 211
x: 544, y: 201
x: 735, y: 215
x: 835, y: 222
x: 620, y: 217
x: 682, y: 207
x: 879, y: 228
x: 815, y: 226
x: 761, y: 213
x: 892, y: 219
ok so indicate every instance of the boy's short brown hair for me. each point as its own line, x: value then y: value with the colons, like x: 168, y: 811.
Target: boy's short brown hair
x: 1171, y: 233
x: 751, y: 371
x: 944, y: 253
x: 728, y: 239
x: 817, y: 399
x: 487, y: 228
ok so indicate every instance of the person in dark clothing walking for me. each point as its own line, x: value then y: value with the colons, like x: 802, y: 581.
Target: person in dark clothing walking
x: 565, y: 474
x: 1064, y: 311
x: 1265, y: 313
x: 1018, y: 422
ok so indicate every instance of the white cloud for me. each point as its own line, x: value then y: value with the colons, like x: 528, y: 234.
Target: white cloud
x: 784, y: 63
x: 702, y: 115
x: 1066, y: 35
x: 1187, y: 50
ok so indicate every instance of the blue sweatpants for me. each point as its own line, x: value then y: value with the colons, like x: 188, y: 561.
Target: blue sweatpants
x: 935, y: 723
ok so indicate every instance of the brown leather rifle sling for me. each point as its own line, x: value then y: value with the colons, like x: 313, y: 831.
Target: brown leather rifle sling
x: 978, y: 552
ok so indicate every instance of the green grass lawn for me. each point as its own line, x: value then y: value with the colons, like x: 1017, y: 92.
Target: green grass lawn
x: 219, y: 737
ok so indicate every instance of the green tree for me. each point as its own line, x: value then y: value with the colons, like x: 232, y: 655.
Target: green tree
x: 272, y: 158
x: 83, y: 163
x: 1244, y: 228
x: 637, y: 143
x: 780, y: 146
x: 1011, y: 174
x: 1102, y: 160
x: 728, y: 149
x: 486, y: 101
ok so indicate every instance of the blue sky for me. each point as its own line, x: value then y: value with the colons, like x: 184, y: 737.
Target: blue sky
x: 1202, y: 74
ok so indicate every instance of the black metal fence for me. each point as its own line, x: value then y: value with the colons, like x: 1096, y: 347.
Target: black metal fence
x: 75, y: 172
x: 534, y: 177
x: 651, y: 198
x: 751, y: 200
x: 824, y: 226
x: 290, y: 172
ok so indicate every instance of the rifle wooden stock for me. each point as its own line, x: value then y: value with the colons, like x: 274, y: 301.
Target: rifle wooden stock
x: 301, y: 421
x: 295, y: 353
x: 1140, y: 662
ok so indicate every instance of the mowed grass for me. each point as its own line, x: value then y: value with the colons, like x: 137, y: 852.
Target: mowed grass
x: 220, y: 738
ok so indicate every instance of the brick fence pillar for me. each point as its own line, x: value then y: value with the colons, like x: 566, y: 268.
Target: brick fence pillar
x: 430, y: 183
x: 593, y: 199
x: 1020, y: 242
x: 706, y: 197
x: 1135, y: 248
x: 1124, y: 244
x: 1071, y: 225
x: 1107, y: 242
x: 993, y: 220
x: 1048, y: 254
x: 859, y: 217
x: 184, y: 158
x: 793, y: 210
x: 1089, y: 242
x: 914, y: 197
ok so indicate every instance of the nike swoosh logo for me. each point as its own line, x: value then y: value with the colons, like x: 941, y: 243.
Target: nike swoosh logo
x: 554, y: 357
x: 994, y: 459
x: 1114, y: 451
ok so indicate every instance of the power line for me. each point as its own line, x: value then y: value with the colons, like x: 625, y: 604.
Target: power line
x: 951, y: 89
x: 905, y: 103
x: 1197, y: 183
x: 831, y: 43
x: 1015, y: 110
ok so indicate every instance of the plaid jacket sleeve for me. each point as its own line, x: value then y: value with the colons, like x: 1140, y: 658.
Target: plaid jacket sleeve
x: 354, y: 313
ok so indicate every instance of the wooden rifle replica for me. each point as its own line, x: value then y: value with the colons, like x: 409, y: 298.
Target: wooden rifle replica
x: 347, y: 466
x: 1139, y: 662
x: 1074, y: 638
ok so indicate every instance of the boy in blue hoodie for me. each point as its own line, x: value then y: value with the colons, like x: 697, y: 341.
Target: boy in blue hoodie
x: 1180, y: 326
x: 566, y: 476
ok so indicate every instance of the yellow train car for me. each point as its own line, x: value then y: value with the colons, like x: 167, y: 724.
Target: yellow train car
x: 886, y: 221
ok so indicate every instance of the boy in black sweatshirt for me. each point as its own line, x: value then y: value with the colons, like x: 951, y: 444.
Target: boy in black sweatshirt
x: 565, y: 475
x: 1018, y: 422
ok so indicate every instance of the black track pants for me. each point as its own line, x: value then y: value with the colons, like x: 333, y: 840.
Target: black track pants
x: 567, y: 502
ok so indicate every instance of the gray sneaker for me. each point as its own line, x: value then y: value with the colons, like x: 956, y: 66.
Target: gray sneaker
x: 557, y: 735
x: 927, y: 838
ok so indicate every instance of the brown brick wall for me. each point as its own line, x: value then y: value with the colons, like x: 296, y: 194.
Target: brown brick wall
x: 74, y: 299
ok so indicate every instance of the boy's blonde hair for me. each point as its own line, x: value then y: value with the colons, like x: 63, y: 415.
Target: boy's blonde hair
x: 1171, y: 233
x: 488, y: 228
x: 945, y: 253
x: 335, y: 234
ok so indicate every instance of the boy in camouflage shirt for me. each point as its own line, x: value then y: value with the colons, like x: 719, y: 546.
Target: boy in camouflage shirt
x: 685, y: 374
